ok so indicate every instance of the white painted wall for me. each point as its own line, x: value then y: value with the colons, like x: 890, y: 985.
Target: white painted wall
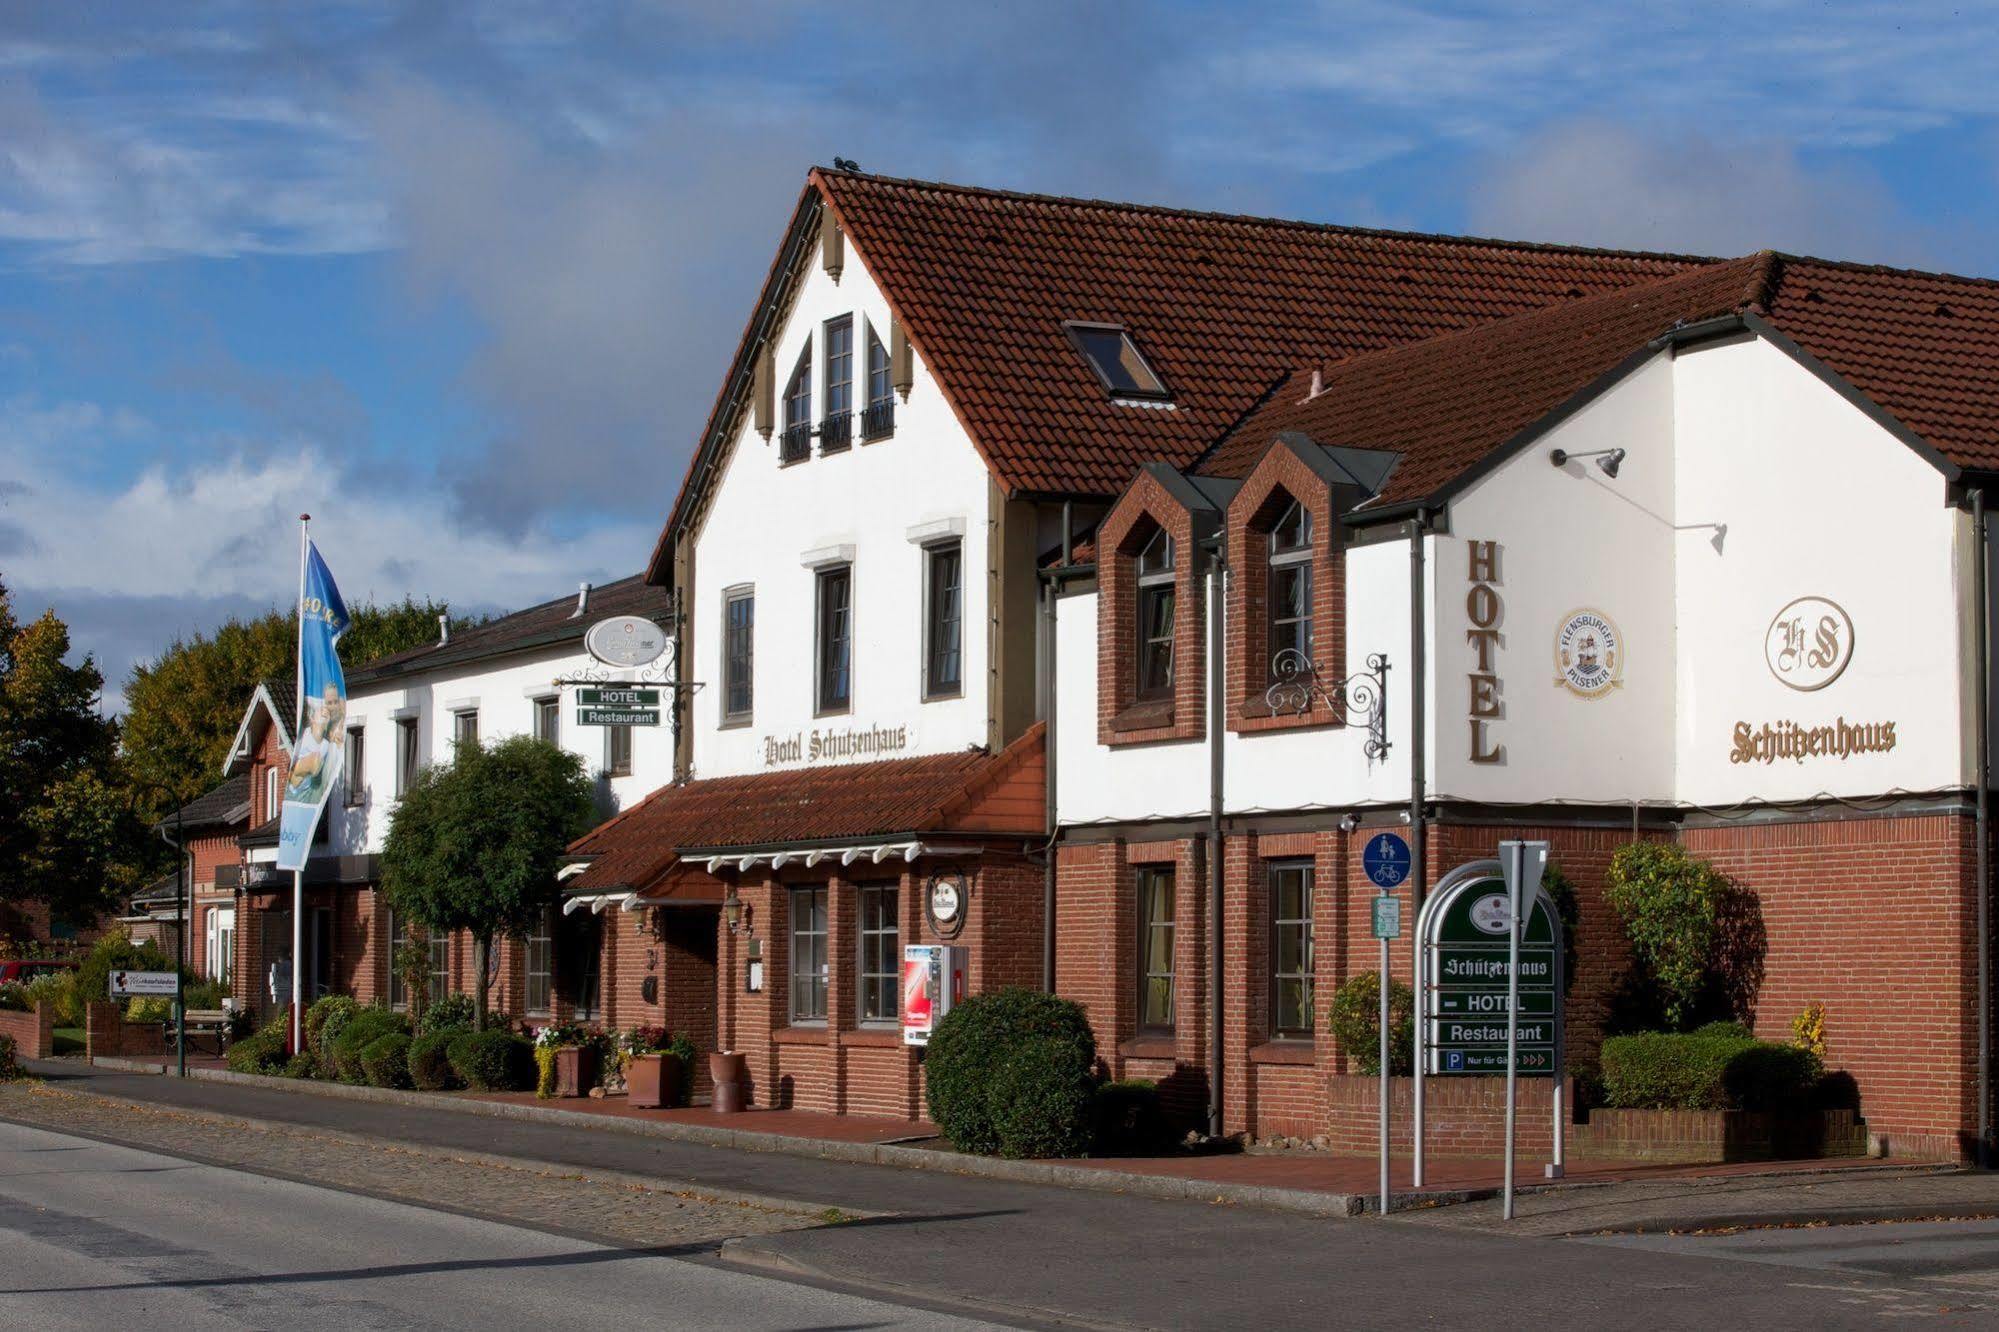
x: 503, y: 690
x: 1816, y: 498
x: 764, y: 518
x: 1819, y: 500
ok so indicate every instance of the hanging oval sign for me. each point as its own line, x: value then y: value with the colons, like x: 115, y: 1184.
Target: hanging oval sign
x: 1809, y: 643
x: 625, y: 640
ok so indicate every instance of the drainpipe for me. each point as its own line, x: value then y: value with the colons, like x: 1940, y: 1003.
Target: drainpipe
x: 1048, y: 795
x: 1419, y: 672
x: 1217, y: 575
x: 1981, y: 544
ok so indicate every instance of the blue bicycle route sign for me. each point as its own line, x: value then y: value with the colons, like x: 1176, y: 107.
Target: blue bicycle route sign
x: 1385, y: 859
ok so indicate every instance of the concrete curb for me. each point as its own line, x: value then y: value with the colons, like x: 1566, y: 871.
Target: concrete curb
x: 1175, y: 1188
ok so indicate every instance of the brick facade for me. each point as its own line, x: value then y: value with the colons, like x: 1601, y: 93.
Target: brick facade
x: 1278, y: 479
x: 1122, y: 718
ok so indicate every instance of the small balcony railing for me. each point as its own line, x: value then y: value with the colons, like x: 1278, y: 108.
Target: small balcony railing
x: 795, y: 445
x: 878, y: 420
x: 836, y: 432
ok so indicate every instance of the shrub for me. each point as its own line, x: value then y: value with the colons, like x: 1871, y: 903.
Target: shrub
x: 9, y: 1067
x: 1808, y: 1029
x: 150, y: 1008
x: 1126, y: 1120
x: 263, y: 1052
x: 1696, y: 938
x: 1720, y: 1067
x: 491, y: 1060
x: 304, y: 1064
x: 14, y: 998
x: 430, y: 1062
x: 454, y: 1012
x: 1355, y: 1019
x: 323, y: 1019
x: 361, y: 1031
x: 204, y: 994
x: 544, y: 1070
x: 682, y: 1047
x: 1009, y: 1073
x: 386, y: 1061
x: 58, y: 990
x: 114, y: 952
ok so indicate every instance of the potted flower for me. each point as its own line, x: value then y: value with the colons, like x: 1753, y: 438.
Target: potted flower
x: 566, y: 1057
x: 652, y: 1071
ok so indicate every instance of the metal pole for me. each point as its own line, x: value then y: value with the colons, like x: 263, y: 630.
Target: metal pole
x: 1981, y: 691
x: 1418, y: 854
x: 1515, y: 857
x: 1217, y: 733
x: 298, y: 876
x: 180, y: 946
x: 1384, y: 1073
x: 1555, y: 1170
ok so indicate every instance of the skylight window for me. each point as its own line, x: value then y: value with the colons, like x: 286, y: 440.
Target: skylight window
x: 1116, y: 359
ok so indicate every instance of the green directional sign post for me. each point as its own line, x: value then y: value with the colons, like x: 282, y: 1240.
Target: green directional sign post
x: 617, y: 706
x: 1466, y: 984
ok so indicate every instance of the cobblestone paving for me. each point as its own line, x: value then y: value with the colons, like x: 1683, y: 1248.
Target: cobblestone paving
x: 618, y: 1211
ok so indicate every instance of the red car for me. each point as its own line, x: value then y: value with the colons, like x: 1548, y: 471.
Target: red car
x: 19, y: 971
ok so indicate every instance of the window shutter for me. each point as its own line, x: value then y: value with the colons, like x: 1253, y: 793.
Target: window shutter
x: 901, y: 360
x: 832, y: 244
x: 763, y: 392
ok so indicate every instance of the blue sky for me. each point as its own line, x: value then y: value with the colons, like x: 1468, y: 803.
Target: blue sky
x: 461, y: 279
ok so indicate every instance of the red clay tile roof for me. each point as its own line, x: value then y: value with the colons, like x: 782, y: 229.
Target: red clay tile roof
x: 1923, y: 347
x: 821, y: 804
x: 1221, y: 306
x: 549, y: 623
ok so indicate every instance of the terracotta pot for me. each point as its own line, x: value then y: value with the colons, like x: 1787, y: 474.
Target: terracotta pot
x: 652, y: 1081
x: 575, y: 1070
x: 731, y: 1073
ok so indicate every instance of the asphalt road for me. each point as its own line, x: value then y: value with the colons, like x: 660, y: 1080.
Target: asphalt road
x: 1047, y: 1254
x: 97, y: 1236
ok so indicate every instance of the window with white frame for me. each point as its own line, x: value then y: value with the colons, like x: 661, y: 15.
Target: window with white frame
x: 539, y: 964
x: 739, y: 624
x: 880, y: 968
x: 836, y: 428
x: 1156, y: 594
x: 835, y: 638
x: 357, y: 765
x: 618, y: 751
x: 796, y: 443
x: 808, y: 954
x: 221, y: 943
x: 548, y: 720
x: 408, y: 752
x: 465, y: 728
x: 1290, y: 586
x: 1291, y: 973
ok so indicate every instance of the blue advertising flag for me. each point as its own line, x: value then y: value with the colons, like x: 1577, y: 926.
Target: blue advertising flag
x: 320, y: 747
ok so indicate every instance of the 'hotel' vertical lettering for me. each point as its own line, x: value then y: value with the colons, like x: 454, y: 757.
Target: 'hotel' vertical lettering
x: 1484, y: 609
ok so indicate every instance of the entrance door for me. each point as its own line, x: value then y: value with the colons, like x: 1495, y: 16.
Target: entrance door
x: 319, y: 948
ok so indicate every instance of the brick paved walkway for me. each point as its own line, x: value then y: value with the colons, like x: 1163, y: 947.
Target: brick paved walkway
x: 616, y: 1208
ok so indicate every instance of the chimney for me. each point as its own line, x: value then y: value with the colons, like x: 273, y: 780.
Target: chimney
x: 582, y: 600
x: 443, y: 629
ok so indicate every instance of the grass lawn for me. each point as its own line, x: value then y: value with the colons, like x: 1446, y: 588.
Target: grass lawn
x: 69, y: 1040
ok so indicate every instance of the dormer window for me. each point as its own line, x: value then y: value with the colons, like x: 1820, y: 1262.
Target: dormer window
x: 797, y: 443
x: 1291, y: 589
x: 878, y: 419
x: 1117, y: 361
x: 837, y: 429
x: 1155, y: 617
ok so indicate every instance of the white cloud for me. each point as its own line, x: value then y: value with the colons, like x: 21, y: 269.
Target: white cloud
x: 1600, y: 184
x: 176, y: 549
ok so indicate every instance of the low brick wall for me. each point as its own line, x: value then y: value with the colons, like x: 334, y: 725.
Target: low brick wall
x: 33, y: 1033
x: 106, y: 1032
x: 1461, y: 1116
x: 1703, y: 1136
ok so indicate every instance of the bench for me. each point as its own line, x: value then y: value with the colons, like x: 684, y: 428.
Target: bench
x: 213, y: 1022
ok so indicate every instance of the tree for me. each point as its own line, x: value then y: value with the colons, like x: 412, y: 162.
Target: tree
x: 475, y: 843
x: 64, y: 821
x: 183, y: 708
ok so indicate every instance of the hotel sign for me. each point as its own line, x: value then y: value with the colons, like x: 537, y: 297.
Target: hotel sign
x: 617, y: 707
x: 1809, y: 643
x: 826, y: 744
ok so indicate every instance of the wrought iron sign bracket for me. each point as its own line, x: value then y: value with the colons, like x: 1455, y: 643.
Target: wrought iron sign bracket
x: 1359, y: 700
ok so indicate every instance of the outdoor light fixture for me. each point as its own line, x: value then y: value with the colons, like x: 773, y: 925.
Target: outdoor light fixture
x: 732, y: 909
x: 1607, y: 460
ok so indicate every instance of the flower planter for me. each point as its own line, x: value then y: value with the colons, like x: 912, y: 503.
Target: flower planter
x: 731, y: 1075
x: 652, y: 1081
x: 575, y: 1070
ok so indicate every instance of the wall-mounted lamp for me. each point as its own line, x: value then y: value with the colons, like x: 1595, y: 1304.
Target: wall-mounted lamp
x: 1607, y: 460
x: 732, y: 909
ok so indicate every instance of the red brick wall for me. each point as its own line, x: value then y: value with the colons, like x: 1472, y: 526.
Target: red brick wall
x: 33, y: 1032
x: 1266, y: 492
x: 1121, y: 720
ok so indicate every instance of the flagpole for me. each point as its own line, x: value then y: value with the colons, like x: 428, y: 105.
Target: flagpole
x: 298, y: 732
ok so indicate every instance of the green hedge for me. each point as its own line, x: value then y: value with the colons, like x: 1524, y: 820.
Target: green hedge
x: 430, y: 1062
x: 1355, y: 1019
x: 1719, y: 1067
x: 1011, y: 1074
x: 492, y: 1060
x: 323, y: 1019
x: 357, y: 1034
x: 262, y: 1052
x: 386, y: 1061
x: 454, y: 1012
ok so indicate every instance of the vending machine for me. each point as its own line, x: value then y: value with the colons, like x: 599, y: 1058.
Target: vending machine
x: 933, y: 979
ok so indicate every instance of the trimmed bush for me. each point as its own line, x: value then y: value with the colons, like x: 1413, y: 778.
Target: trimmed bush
x: 1126, y: 1119
x: 58, y: 990
x: 204, y: 994
x: 1720, y: 1067
x: 430, y: 1062
x: 454, y: 1012
x: 361, y: 1031
x: 333, y: 1010
x: 386, y: 1061
x: 150, y: 1008
x: 263, y: 1052
x: 14, y: 998
x: 114, y: 952
x: 492, y: 1060
x: 1355, y: 1019
x: 1010, y: 1074
x: 304, y: 1064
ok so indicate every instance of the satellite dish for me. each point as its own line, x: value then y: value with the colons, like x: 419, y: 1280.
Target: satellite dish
x: 626, y: 641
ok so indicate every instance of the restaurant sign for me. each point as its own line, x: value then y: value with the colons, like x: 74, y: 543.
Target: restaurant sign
x: 1466, y: 974
x: 617, y: 706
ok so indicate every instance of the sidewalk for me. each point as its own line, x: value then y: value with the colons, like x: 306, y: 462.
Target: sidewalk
x: 1317, y: 1183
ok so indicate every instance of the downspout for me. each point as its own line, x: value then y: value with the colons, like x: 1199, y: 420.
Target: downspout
x: 1982, y: 744
x: 1419, y: 873
x: 1217, y: 575
x: 1048, y: 590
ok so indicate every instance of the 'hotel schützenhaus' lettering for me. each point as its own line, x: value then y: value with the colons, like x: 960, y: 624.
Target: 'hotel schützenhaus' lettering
x: 1482, y: 608
x: 817, y: 746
